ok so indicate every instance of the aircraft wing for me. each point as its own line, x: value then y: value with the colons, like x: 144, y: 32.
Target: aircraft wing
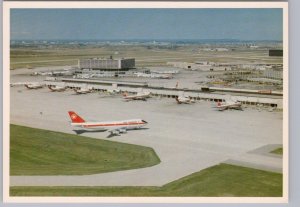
x: 117, y: 131
x: 222, y: 107
x: 227, y: 106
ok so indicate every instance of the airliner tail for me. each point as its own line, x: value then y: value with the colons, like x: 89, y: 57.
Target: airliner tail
x: 75, y: 117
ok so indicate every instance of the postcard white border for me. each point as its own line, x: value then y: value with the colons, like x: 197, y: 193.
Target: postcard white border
x: 6, y: 106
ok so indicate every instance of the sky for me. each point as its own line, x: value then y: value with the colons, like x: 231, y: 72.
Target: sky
x: 154, y: 24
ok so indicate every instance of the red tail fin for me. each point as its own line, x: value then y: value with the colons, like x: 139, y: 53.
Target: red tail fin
x: 75, y: 118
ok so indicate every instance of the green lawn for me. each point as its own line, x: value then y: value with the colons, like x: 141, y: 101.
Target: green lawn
x: 43, y: 152
x: 278, y: 151
x: 218, y: 181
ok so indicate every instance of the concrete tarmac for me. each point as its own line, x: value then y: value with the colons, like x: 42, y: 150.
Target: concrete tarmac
x: 187, y: 138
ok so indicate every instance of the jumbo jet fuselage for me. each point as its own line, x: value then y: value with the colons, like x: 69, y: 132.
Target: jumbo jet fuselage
x: 82, y: 91
x: 108, y: 125
x: 57, y: 88
x: 138, y: 96
x: 114, y: 127
x: 33, y: 85
x: 229, y: 105
x: 184, y: 100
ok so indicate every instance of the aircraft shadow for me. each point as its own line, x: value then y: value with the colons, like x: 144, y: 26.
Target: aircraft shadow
x: 135, y: 100
x: 112, y: 135
x: 78, y: 94
x: 78, y: 132
x: 229, y: 110
x: 108, y: 96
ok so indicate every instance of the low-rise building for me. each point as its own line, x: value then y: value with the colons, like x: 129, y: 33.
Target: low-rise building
x: 273, y: 74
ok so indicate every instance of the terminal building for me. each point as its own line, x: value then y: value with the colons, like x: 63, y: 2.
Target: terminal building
x: 110, y: 64
x: 103, y: 67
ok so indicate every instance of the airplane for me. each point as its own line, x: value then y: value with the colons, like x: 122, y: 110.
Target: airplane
x: 229, y: 105
x: 139, y: 96
x: 114, y: 127
x: 184, y: 99
x: 53, y: 73
x: 140, y: 74
x: 34, y: 85
x: 153, y: 75
x: 165, y: 72
x: 60, y: 73
x: 113, y: 91
x: 57, y: 88
x: 82, y: 90
x: 162, y: 76
x: 85, y: 76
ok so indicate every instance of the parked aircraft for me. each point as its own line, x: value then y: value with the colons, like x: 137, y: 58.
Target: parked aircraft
x: 61, y: 73
x: 165, y: 72
x: 140, y: 74
x: 82, y: 91
x: 139, y: 96
x: 184, y: 99
x: 17, y: 84
x: 153, y: 75
x: 54, y: 73
x: 162, y: 76
x: 113, y: 91
x: 229, y: 105
x: 34, y: 85
x: 57, y: 88
x: 41, y: 73
x: 114, y: 127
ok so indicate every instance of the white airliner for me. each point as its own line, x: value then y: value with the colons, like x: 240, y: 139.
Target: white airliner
x: 113, y: 91
x: 57, y: 88
x: 153, y: 75
x: 114, y: 127
x: 184, y: 99
x: 229, y: 105
x: 82, y: 91
x: 162, y: 76
x: 165, y: 72
x: 139, y: 96
x: 34, y: 85
x: 41, y: 73
x: 54, y: 73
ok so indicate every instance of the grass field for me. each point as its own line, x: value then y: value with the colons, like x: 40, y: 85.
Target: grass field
x: 43, y: 152
x: 25, y: 57
x: 278, y: 151
x: 218, y: 181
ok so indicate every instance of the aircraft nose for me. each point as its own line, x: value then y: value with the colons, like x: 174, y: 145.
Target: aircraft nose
x: 144, y: 122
